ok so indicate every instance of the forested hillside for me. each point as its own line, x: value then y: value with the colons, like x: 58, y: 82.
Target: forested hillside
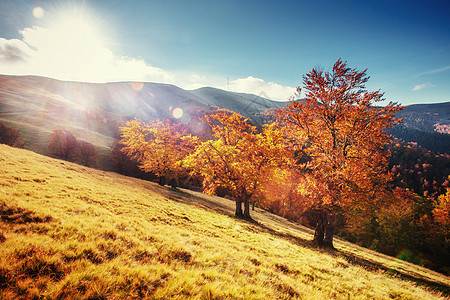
x: 425, y: 124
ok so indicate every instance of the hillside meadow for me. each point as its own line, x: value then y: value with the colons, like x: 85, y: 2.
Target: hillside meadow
x: 71, y: 232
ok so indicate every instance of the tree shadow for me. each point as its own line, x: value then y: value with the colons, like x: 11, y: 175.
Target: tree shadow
x: 253, y: 225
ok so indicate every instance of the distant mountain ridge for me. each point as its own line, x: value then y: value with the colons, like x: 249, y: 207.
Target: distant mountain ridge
x: 426, y: 124
x: 248, y: 105
x: 37, y: 105
x: 432, y: 117
x: 142, y: 100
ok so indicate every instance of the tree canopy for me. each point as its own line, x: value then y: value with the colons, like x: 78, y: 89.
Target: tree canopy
x: 159, y: 147
x: 63, y: 144
x: 8, y: 135
x: 237, y: 158
x: 343, y: 132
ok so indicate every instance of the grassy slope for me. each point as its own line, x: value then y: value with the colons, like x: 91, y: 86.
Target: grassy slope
x: 72, y: 232
x: 36, y: 112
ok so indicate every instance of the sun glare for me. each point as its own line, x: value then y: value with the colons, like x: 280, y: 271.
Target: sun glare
x: 78, y: 34
x: 71, y: 44
x: 72, y: 41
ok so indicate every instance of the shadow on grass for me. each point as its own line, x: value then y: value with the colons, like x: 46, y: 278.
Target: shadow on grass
x: 18, y: 215
x: 357, y: 260
x: 186, y: 197
x: 374, y: 266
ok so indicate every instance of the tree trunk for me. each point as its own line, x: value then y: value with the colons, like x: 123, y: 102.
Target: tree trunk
x: 174, y: 183
x: 247, y: 209
x: 330, y: 226
x: 324, y: 233
x: 319, y: 233
x: 238, y: 212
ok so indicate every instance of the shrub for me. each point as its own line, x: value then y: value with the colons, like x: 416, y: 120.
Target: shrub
x: 63, y: 144
x: 87, y: 153
x: 8, y: 135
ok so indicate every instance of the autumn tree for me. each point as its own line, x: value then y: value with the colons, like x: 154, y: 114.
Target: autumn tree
x: 237, y: 158
x: 62, y: 144
x: 87, y: 153
x: 344, y: 134
x: 120, y: 161
x: 159, y: 148
x: 281, y: 193
x: 418, y: 169
x: 441, y: 233
x: 8, y: 135
x: 441, y: 211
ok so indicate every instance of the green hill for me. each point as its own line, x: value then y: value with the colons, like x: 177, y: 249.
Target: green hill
x: 37, y: 105
x: 70, y: 232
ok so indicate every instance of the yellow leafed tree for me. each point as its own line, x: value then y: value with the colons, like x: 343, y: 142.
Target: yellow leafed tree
x: 237, y: 158
x: 159, y: 148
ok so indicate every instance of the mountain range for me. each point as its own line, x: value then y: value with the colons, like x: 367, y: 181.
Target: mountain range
x: 425, y: 124
x: 37, y: 105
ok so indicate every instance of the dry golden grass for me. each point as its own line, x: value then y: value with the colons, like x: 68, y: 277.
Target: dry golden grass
x: 70, y: 232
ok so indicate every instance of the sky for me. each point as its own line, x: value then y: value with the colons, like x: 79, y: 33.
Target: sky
x: 258, y: 47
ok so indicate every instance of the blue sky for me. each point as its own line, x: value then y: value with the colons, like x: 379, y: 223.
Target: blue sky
x: 260, y: 47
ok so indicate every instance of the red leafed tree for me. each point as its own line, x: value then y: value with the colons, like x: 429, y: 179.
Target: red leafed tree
x: 159, y: 148
x: 237, y: 158
x: 87, y: 153
x: 62, y: 144
x: 8, y: 135
x: 344, y: 134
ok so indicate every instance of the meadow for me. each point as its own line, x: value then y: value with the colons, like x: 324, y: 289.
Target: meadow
x: 71, y: 232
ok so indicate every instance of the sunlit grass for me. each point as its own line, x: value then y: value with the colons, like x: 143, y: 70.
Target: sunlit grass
x: 71, y: 232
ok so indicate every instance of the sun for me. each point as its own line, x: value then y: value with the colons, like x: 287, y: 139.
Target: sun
x: 71, y: 43
x: 79, y: 31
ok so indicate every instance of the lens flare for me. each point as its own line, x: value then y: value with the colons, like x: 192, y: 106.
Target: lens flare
x: 38, y: 12
x: 177, y: 113
x: 137, y: 86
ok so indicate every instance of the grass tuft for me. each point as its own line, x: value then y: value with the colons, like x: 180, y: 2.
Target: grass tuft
x: 37, y: 263
x: 169, y: 255
x: 19, y: 215
x: 283, y: 268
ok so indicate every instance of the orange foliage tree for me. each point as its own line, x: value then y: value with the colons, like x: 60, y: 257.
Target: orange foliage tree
x: 237, y: 158
x: 281, y: 193
x: 159, y: 148
x: 441, y: 211
x: 441, y: 233
x: 343, y: 133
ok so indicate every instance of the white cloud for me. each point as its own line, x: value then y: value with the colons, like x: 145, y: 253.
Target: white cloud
x: 13, y: 51
x: 257, y: 86
x: 422, y: 86
x: 435, y: 71
x: 69, y: 54
x: 74, y: 51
